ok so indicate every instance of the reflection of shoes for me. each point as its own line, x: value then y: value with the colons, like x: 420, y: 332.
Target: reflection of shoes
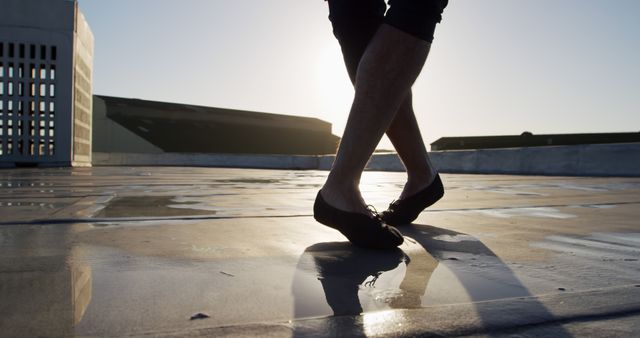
x: 406, y: 210
x: 360, y: 229
x: 346, y: 261
x: 343, y: 269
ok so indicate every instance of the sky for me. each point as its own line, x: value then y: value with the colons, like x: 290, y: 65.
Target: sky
x: 496, y: 67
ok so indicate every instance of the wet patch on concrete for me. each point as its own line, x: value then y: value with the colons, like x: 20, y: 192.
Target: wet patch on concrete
x: 245, y: 181
x: 602, y: 246
x: 548, y: 186
x: 339, y: 279
x: 537, y: 212
x: 136, y: 294
x: 540, y: 212
x: 157, y: 206
x: 598, y: 260
x: 432, y: 269
x: 515, y: 192
x: 26, y: 204
x: 455, y: 238
x: 594, y: 206
x: 256, y: 255
x: 133, y: 293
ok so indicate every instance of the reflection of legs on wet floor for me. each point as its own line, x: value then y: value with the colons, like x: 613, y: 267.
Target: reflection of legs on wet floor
x: 344, y: 269
x: 414, y: 284
x: 389, y: 64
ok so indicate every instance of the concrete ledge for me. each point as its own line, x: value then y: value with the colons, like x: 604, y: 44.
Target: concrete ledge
x: 584, y: 160
x: 207, y: 160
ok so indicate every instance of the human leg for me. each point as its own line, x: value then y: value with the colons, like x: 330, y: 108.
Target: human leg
x: 406, y: 138
x: 423, y: 187
x: 354, y: 24
x: 388, y: 68
x: 390, y: 64
x: 386, y: 72
x: 418, y: 18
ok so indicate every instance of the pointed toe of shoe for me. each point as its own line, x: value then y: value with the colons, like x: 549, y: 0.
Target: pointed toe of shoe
x: 406, y: 210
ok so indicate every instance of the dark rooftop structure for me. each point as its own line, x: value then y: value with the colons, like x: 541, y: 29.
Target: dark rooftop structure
x: 156, y: 127
x: 528, y: 139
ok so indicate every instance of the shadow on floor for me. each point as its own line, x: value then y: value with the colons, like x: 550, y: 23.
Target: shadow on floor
x: 345, y: 270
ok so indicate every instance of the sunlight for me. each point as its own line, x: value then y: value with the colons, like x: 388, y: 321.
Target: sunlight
x: 377, y: 323
x: 334, y: 90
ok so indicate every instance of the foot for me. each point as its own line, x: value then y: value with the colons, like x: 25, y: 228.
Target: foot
x: 417, y: 183
x: 346, y: 197
x: 364, y: 230
x: 407, y: 209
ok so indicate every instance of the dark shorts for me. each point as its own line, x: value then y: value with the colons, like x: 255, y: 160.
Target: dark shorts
x: 356, y: 21
x: 416, y: 17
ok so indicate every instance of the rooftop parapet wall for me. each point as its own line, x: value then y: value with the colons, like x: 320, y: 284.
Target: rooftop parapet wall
x: 530, y: 140
x: 585, y: 160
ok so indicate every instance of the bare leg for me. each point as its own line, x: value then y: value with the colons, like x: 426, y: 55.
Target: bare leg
x: 390, y: 65
x: 405, y: 135
x: 403, y: 131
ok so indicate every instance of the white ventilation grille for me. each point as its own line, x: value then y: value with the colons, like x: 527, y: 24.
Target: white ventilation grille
x: 27, y: 101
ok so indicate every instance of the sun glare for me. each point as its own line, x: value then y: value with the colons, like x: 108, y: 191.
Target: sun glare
x: 334, y: 90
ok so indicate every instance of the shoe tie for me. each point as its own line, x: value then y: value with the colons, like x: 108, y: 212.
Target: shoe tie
x: 394, y: 204
x: 372, y: 282
x: 375, y: 213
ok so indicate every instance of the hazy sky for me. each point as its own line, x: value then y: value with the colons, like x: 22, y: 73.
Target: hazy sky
x: 496, y: 66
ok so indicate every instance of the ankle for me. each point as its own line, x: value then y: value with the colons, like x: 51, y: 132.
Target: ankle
x: 344, y: 197
x: 417, y: 182
x: 341, y: 181
x: 422, y: 177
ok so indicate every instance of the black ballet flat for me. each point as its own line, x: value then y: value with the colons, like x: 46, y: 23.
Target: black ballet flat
x: 361, y: 230
x: 406, y: 210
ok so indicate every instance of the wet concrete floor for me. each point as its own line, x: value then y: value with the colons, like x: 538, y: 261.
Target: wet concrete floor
x: 134, y: 251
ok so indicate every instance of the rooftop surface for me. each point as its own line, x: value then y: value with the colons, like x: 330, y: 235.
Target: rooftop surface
x: 234, y: 252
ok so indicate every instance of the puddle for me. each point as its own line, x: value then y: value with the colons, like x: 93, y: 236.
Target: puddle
x: 594, y: 206
x: 90, y: 290
x: 460, y: 282
x: 156, y: 206
x: 45, y: 302
x: 515, y: 192
x: 250, y: 181
x: 340, y: 279
x: 455, y: 238
x: 100, y: 291
x: 97, y: 291
x: 602, y: 246
x: 539, y: 212
x: 40, y: 205
x: 523, y: 189
x: 344, y: 281
x: 568, y: 186
x: 143, y: 223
